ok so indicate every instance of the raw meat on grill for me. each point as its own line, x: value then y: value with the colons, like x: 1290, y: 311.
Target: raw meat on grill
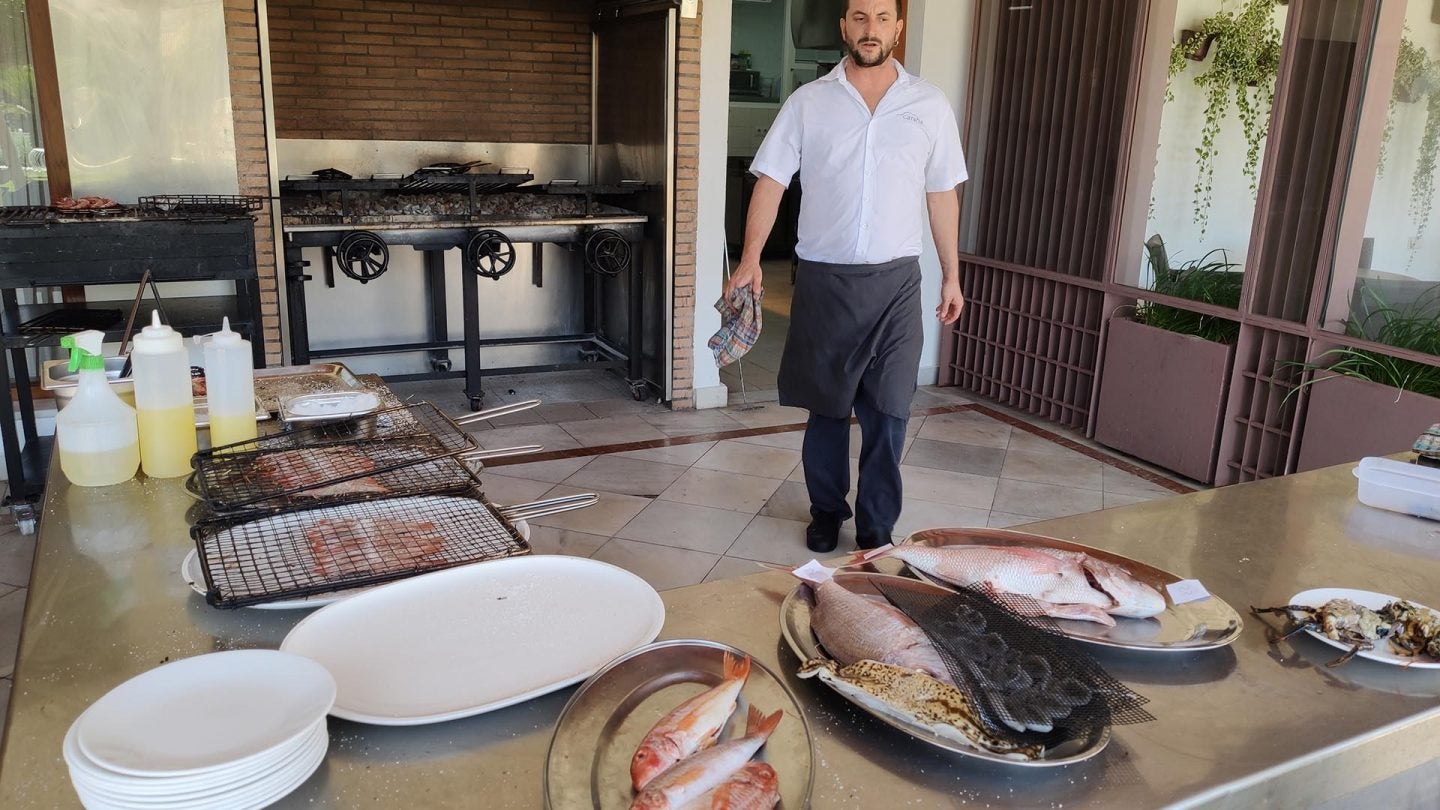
x: 356, y: 546
x: 309, y: 470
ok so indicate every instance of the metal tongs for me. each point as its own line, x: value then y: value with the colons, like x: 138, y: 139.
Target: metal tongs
x: 145, y: 280
x: 549, y: 506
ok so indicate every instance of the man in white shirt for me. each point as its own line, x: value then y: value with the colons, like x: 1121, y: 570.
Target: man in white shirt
x: 877, y: 150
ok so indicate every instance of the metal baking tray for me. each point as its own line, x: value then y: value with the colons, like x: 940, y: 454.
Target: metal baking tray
x: 1193, y: 626
x: 795, y: 628
x: 588, y: 764
x: 283, y: 382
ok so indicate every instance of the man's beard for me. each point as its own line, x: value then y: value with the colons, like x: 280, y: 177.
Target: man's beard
x: 857, y: 56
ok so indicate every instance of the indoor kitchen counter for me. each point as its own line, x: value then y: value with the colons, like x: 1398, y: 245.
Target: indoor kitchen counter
x: 1237, y: 727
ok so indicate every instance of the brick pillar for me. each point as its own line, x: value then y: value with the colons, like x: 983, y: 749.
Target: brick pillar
x: 252, y: 158
x: 687, y: 191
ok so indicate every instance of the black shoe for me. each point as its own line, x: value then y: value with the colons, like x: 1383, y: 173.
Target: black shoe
x: 872, y: 539
x: 823, y: 535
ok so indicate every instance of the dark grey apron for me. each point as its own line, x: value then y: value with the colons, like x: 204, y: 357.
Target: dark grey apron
x: 855, y: 330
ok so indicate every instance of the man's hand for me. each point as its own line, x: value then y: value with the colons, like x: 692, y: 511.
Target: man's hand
x: 747, y: 274
x: 952, y: 301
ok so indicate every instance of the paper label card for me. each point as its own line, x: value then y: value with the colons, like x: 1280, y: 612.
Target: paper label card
x: 1187, y: 590
x: 814, y: 573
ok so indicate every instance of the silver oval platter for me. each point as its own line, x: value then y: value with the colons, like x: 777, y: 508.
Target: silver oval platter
x: 795, y: 627
x: 1204, y: 625
x: 588, y: 765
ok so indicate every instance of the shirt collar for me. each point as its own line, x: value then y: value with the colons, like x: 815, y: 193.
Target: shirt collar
x: 902, y: 77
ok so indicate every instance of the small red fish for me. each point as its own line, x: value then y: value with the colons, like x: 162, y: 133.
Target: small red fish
x: 692, y: 726
x: 754, y: 787
x: 707, y: 770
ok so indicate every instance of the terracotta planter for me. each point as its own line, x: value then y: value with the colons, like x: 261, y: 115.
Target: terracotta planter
x: 1349, y: 418
x: 1162, y: 397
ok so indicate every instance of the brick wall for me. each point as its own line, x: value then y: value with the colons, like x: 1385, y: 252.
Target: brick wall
x: 687, y: 190
x: 501, y: 71
x: 247, y: 101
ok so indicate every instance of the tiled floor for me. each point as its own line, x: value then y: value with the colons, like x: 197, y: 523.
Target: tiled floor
x: 689, y: 497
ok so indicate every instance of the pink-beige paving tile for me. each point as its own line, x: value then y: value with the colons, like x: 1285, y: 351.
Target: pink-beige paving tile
x: 1122, y: 483
x: 730, y: 568
x: 554, y: 471
x: 955, y: 457
x: 943, y: 486
x: 1004, y: 520
x: 550, y: 540
x: 17, y: 554
x: 683, y: 454
x: 626, y: 476
x: 612, y: 430
x: 689, y: 423
x: 503, y: 490
x: 722, y: 490
x: 12, y: 611
x: 966, y: 427
x: 1072, y: 470
x: 791, y: 501
x: 661, y: 566
x: 782, y: 542
x: 768, y: 415
x: 605, y: 517
x: 789, y: 440
x: 916, y: 515
x: 687, y: 526
x: 1116, y: 499
x: 1045, y: 500
x: 750, y: 459
x: 549, y: 437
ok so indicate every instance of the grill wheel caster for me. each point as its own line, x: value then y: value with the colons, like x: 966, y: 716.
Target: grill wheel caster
x: 441, y: 365
x: 475, y: 402
x: 639, y: 391
x: 589, y: 357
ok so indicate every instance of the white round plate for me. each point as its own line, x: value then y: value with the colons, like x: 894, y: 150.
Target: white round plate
x: 194, y: 576
x: 209, y: 712
x: 1315, y: 597
x: 97, y: 779
x: 468, y: 640
x: 258, y: 794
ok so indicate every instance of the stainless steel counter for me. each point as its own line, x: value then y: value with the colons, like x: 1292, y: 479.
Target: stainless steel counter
x: 1239, y: 727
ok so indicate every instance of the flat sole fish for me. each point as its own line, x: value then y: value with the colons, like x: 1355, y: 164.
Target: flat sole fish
x: 916, y: 699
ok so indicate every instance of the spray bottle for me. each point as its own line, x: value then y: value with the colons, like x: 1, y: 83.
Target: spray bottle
x: 95, y: 434
x: 164, y: 404
x: 229, y: 387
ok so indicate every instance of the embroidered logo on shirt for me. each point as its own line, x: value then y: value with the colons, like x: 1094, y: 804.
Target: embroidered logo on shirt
x: 913, y: 118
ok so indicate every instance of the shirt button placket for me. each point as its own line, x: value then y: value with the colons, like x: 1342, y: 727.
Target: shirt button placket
x: 862, y: 247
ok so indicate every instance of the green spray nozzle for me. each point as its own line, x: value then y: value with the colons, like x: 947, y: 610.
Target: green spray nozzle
x: 86, y: 350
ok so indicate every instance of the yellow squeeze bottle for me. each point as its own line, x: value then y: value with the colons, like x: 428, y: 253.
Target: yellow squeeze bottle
x: 164, y: 404
x: 95, y: 434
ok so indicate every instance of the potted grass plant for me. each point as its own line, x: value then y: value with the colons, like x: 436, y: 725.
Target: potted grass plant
x: 1364, y: 402
x: 1163, y: 383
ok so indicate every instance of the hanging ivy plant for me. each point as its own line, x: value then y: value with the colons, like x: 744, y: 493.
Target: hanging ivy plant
x: 1246, y: 60
x: 1411, y: 82
x: 1417, y: 78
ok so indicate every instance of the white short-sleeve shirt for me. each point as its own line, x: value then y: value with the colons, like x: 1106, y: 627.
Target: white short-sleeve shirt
x: 864, y: 177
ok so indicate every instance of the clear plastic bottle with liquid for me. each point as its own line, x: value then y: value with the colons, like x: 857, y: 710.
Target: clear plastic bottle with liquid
x: 95, y: 433
x: 164, y: 404
x: 229, y: 387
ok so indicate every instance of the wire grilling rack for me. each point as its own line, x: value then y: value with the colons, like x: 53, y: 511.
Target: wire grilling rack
x: 309, y: 551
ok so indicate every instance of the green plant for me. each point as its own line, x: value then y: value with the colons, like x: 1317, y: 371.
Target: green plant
x: 1417, y: 78
x: 1412, y: 71
x: 1415, y: 326
x: 1206, y: 280
x: 1246, y: 60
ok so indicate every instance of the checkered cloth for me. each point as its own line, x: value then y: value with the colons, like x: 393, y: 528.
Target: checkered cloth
x: 739, y: 325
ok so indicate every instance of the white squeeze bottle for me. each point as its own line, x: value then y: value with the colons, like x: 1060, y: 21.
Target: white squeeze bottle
x: 229, y: 387
x: 95, y: 434
x: 164, y: 406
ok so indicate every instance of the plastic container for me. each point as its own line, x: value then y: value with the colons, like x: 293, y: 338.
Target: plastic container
x: 1399, y: 487
x: 229, y: 387
x: 164, y: 405
x: 96, y: 435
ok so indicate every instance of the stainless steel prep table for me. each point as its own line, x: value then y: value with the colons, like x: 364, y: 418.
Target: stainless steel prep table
x: 1236, y: 727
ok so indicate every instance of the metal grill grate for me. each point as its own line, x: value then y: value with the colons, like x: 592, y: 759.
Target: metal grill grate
x: 344, y: 460
x: 332, y: 548
x: 200, y: 204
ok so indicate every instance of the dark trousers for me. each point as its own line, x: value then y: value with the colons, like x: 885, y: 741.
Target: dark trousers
x: 826, y: 456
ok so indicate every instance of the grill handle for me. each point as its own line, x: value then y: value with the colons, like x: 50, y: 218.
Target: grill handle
x: 551, y: 506
x: 501, y: 452
x: 491, y: 413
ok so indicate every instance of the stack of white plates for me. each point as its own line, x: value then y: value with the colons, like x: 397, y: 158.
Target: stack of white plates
x: 228, y: 730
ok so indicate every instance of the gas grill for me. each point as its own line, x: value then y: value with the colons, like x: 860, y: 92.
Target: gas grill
x: 355, y: 221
